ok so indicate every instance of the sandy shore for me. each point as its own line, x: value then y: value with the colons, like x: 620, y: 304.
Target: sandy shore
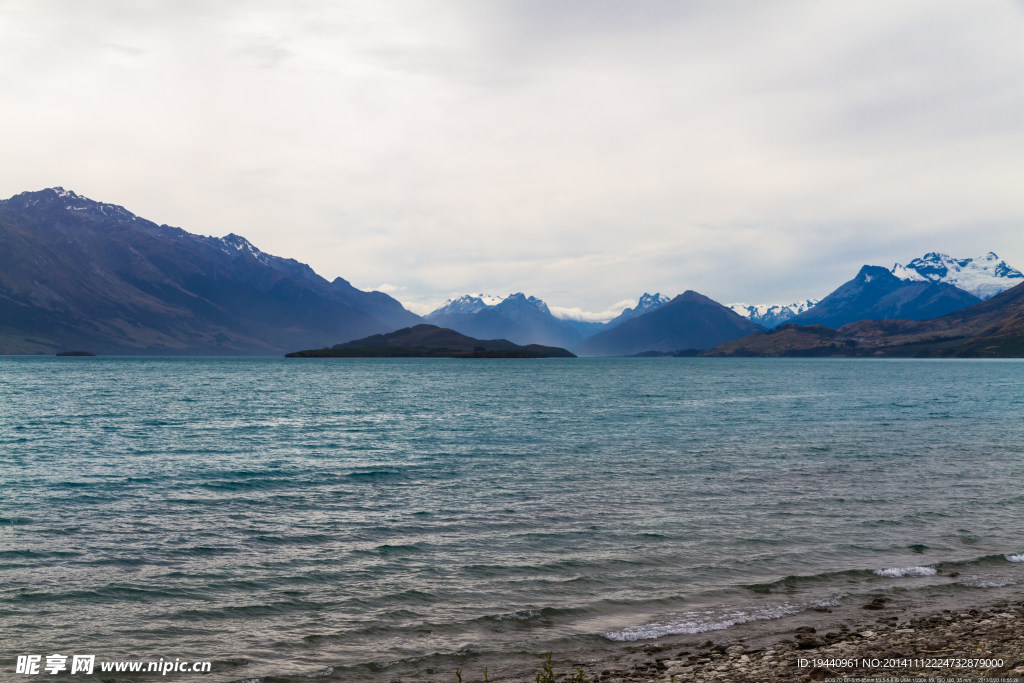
x: 881, y: 643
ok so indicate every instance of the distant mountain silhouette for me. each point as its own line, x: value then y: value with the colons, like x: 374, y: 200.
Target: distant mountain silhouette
x: 76, y: 273
x: 431, y: 341
x: 876, y: 294
x: 518, y: 318
x: 992, y: 328
x: 689, y: 321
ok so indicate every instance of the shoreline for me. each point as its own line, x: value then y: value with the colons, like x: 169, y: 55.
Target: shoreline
x: 880, y: 640
x: 874, y: 638
x: 890, y: 633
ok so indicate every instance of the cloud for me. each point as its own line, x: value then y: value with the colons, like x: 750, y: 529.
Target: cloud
x: 265, y: 51
x: 576, y: 313
x: 581, y: 151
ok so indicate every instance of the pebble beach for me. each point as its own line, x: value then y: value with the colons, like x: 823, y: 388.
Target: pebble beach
x: 884, y: 644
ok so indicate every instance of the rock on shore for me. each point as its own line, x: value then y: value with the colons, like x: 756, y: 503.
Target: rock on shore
x: 985, y: 643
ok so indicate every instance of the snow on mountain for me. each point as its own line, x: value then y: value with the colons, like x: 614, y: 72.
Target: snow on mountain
x: 645, y: 304
x: 520, y: 300
x: 771, y: 315
x: 77, y: 202
x: 464, y: 304
x: 983, y: 276
x: 648, y: 302
x: 469, y: 303
x: 240, y: 244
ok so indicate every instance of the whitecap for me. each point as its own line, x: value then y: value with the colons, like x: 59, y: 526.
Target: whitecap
x: 986, y: 582
x: 906, y: 571
x: 1019, y: 557
x: 699, y: 622
x: 521, y: 615
x: 834, y: 601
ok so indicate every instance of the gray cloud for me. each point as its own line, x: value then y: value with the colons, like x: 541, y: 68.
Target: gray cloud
x: 581, y: 151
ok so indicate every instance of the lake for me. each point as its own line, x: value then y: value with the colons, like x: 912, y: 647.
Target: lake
x: 363, y: 519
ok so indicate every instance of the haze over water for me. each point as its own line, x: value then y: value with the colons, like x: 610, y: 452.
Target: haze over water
x: 363, y: 517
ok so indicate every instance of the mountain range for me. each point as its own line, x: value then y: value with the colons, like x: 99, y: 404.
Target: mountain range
x: 526, y: 319
x: 77, y: 274
x: 981, y: 277
x: 990, y: 328
x: 925, y: 288
x: 772, y: 315
x: 518, y: 318
x: 81, y: 274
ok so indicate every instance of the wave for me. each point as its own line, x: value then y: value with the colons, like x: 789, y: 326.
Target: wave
x: 15, y: 521
x: 986, y: 582
x: 295, y: 539
x: 322, y: 673
x: 718, y: 619
x: 239, y: 485
x: 387, y: 549
x: 788, y: 584
x: 34, y: 554
x: 105, y: 594
x: 375, y: 474
x: 702, y: 621
x: 791, y: 583
x: 907, y: 571
x: 521, y: 615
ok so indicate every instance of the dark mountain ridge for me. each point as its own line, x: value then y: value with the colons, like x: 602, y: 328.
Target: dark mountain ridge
x: 876, y: 294
x: 76, y: 273
x: 689, y: 321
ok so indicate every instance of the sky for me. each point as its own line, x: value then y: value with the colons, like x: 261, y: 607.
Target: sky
x: 580, y: 151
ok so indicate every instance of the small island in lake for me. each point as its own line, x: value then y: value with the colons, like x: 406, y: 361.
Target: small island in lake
x: 75, y: 354
x: 431, y: 341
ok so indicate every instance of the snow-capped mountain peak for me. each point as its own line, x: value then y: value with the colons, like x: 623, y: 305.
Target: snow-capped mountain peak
x: 57, y: 197
x: 645, y: 304
x: 520, y: 300
x: 771, y: 315
x: 233, y: 243
x: 238, y: 242
x: 983, y: 276
x: 464, y: 304
x: 469, y: 303
x: 648, y: 302
x: 490, y: 299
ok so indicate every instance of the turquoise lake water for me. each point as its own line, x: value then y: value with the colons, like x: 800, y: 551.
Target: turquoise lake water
x: 353, y: 518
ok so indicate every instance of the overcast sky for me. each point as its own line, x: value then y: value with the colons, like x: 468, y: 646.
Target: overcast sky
x: 583, y: 152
